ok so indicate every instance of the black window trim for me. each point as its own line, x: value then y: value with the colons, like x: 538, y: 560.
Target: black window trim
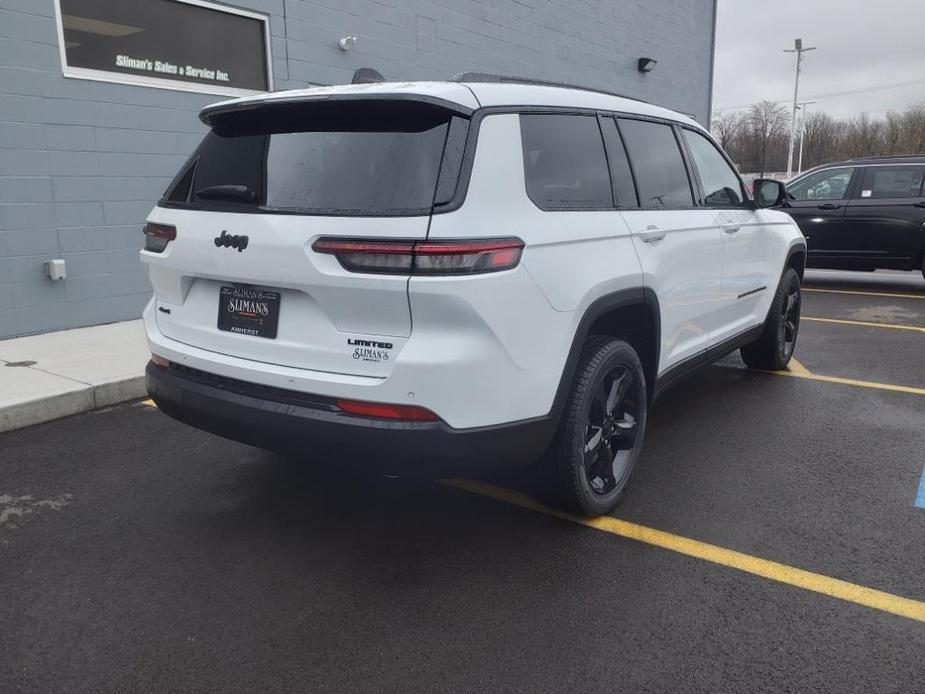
x: 476, y: 117
x: 189, y: 168
x: 480, y: 114
x: 613, y: 189
x: 622, y: 143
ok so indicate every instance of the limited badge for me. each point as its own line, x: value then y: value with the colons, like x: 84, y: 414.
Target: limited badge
x: 370, y: 350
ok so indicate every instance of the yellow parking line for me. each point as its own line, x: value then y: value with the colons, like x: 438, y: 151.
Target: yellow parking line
x: 826, y: 585
x: 799, y: 578
x: 797, y: 370
x: 860, y: 293
x: 865, y: 324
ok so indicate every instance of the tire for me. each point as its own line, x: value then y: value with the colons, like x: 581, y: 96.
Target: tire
x: 601, y: 431
x: 773, y: 350
x: 923, y: 266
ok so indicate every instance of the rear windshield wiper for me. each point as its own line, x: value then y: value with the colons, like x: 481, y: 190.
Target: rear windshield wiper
x: 233, y: 193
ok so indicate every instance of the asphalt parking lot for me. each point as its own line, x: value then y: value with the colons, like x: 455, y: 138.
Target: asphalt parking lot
x: 778, y: 524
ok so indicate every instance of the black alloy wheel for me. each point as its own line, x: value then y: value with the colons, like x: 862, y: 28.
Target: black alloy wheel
x: 774, y: 347
x: 611, y: 432
x: 790, y: 321
x: 602, y: 428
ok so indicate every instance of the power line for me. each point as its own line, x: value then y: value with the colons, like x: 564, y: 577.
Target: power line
x: 864, y: 90
x: 846, y: 92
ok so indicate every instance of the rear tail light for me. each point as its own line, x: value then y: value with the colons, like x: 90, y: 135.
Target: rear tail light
x: 369, y: 256
x: 408, y: 413
x: 424, y: 257
x: 157, y: 236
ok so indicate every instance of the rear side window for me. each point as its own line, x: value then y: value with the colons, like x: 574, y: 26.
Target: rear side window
x: 352, y: 158
x: 564, y: 162
x: 892, y: 182
x: 721, y: 185
x: 661, y: 176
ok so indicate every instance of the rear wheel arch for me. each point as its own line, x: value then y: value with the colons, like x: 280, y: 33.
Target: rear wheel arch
x: 632, y: 315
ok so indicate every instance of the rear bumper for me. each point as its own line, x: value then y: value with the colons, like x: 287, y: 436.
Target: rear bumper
x: 311, y: 425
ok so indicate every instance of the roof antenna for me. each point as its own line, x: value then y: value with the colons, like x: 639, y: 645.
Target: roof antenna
x: 367, y: 75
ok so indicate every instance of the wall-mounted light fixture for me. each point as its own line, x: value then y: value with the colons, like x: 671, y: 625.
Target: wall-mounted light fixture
x: 646, y: 64
x: 347, y: 42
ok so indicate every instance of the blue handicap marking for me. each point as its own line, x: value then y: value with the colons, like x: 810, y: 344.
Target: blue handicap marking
x: 920, y: 499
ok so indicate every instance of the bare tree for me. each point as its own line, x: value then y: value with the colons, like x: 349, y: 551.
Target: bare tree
x: 892, y: 134
x: 757, y: 139
x: 913, y: 138
x: 727, y: 129
x: 863, y: 137
x: 767, y: 122
x: 822, y: 136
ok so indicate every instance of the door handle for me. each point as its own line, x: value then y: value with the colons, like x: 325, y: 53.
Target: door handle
x: 829, y: 206
x: 651, y: 234
x: 731, y: 227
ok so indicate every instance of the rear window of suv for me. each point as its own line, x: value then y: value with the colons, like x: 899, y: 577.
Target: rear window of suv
x: 348, y: 158
x: 565, y: 166
x: 892, y: 182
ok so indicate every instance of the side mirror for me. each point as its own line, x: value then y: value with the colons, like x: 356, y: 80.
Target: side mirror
x: 769, y: 193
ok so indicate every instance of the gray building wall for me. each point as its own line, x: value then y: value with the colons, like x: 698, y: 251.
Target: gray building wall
x: 82, y: 162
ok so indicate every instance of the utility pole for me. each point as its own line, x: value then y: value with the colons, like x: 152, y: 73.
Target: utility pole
x: 802, y: 106
x: 799, y: 50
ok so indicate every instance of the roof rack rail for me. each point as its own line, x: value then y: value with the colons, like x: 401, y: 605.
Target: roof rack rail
x: 511, y: 79
x: 887, y: 156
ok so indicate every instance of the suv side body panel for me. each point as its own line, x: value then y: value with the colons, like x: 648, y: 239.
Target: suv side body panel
x: 570, y: 260
x: 679, y: 245
x: 864, y: 229
x: 822, y: 220
x: 886, y: 231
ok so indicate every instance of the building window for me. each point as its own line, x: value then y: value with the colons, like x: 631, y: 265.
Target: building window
x: 191, y: 45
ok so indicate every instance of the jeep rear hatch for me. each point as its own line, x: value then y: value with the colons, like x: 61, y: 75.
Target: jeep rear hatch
x: 237, y: 274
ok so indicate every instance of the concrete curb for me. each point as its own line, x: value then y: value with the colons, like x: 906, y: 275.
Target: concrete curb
x: 77, y: 401
x: 54, y: 375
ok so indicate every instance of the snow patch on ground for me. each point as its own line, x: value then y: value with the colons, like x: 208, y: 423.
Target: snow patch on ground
x: 15, y: 508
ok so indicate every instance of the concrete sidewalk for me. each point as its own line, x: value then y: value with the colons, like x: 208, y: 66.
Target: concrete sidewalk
x: 44, y: 377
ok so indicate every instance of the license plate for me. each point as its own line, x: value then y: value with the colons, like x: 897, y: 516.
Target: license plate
x: 248, y: 311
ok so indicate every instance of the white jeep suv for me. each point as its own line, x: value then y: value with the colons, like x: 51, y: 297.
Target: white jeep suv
x: 443, y: 274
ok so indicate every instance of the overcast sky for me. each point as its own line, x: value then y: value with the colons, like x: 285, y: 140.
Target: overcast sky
x: 860, y: 44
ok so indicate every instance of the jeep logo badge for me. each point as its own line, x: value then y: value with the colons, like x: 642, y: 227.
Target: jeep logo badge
x: 229, y: 241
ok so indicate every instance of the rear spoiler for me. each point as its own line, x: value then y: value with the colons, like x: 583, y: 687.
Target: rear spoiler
x: 210, y: 113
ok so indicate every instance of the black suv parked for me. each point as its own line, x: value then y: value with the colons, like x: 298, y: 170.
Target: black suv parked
x: 862, y: 214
